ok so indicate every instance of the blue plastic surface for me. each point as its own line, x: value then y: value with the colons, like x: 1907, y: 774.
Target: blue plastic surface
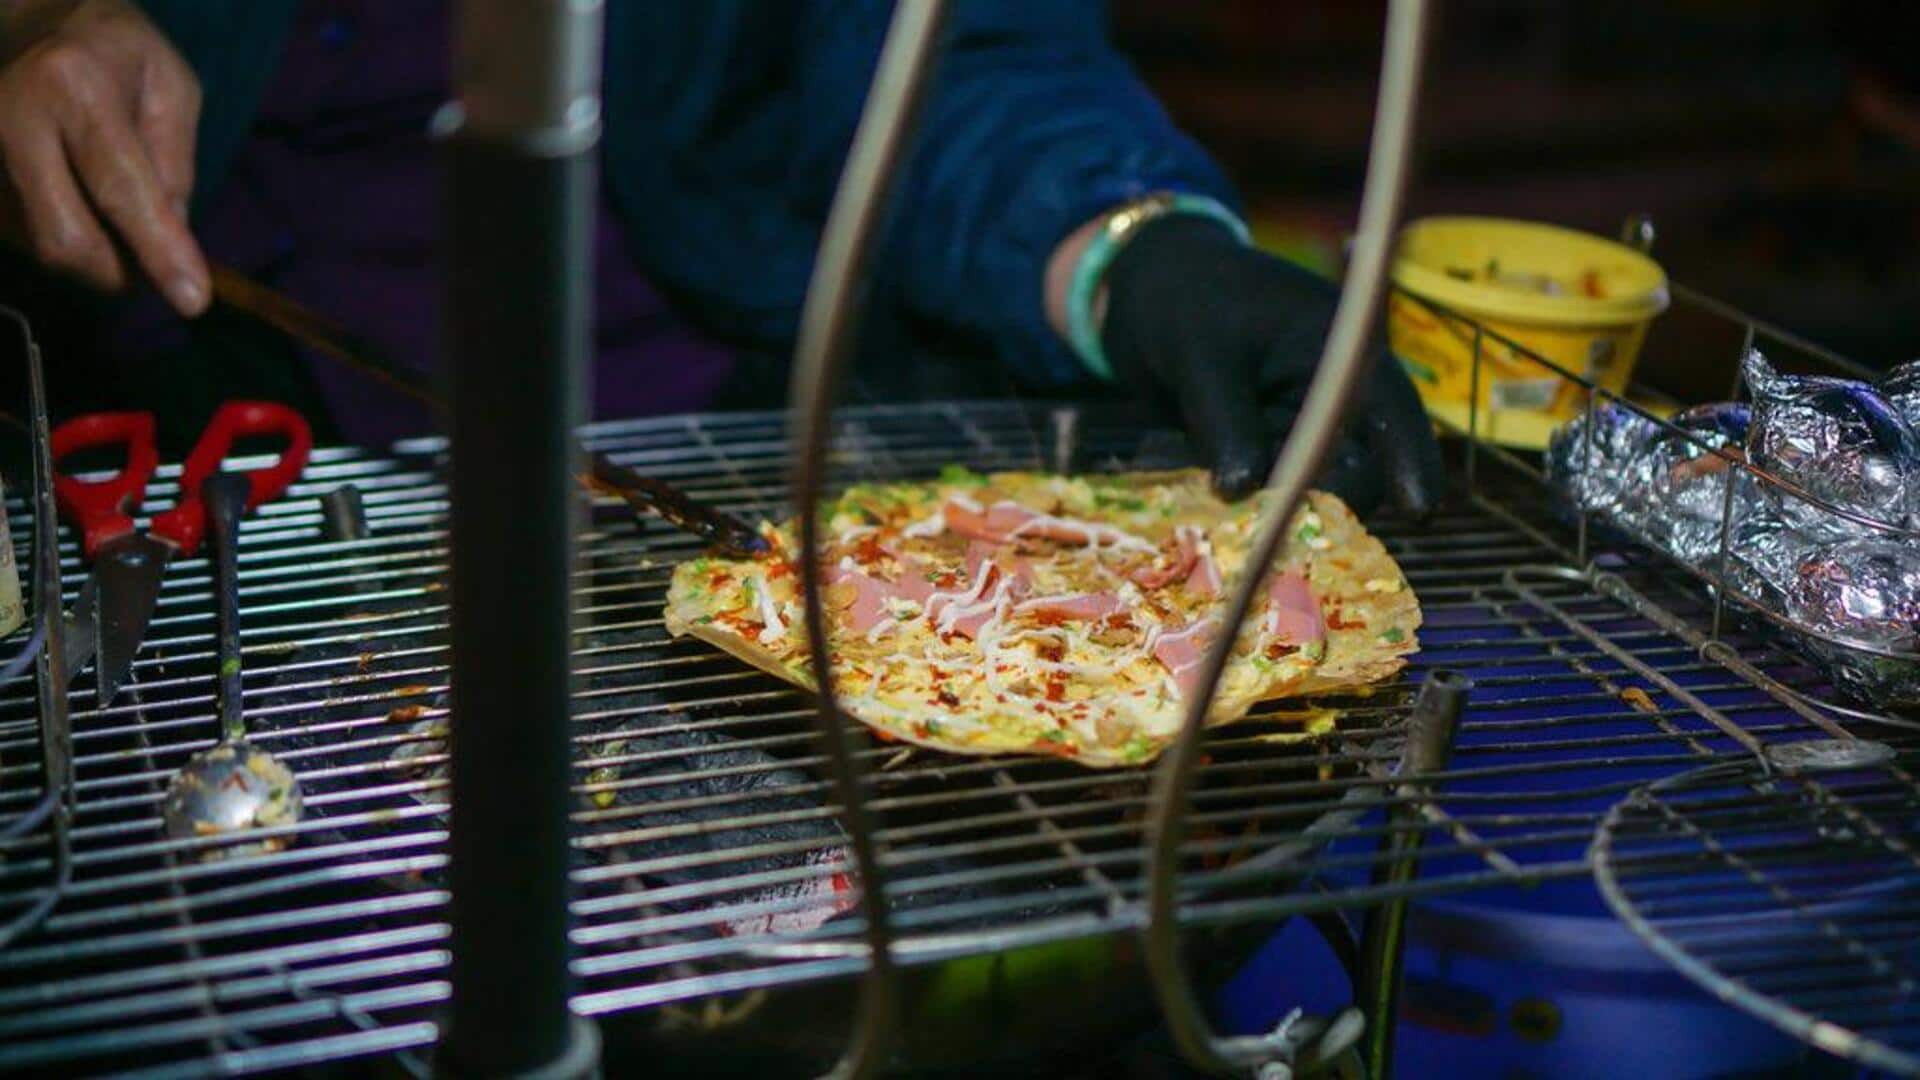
x: 1543, y: 980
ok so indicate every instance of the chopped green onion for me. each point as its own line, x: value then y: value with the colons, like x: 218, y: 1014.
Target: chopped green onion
x: 954, y: 473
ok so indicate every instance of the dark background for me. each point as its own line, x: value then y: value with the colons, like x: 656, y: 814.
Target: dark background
x: 1764, y: 137
x: 1776, y: 144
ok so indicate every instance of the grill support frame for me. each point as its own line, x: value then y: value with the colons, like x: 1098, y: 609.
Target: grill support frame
x: 519, y: 143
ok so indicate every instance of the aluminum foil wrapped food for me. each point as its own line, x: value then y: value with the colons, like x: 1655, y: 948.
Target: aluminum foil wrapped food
x: 1853, y: 589
x: 1665, y: 487
x: 1901, y: 388
x: 1838, y: 440
x: 1687, y: 481
x: 1763, y: 554
x: 1591, y: 465
x: 1864, y: 593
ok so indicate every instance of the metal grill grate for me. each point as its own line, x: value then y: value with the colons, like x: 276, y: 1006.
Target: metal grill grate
x: 1793, y: 895
x: 708, y: 852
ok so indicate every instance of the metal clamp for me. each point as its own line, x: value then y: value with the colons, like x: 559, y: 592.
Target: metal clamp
x: 1304, y: 1045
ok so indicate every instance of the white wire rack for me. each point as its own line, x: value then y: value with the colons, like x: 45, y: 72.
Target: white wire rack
x: 708, y: 853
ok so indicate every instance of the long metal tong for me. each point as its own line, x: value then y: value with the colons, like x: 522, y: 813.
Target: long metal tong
x: 646, y: 495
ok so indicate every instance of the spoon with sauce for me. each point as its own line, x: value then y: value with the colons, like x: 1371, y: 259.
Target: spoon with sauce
x: 232, y: 786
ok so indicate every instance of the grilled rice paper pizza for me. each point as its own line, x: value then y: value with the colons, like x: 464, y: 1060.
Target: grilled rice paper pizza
x: 1034, y: 613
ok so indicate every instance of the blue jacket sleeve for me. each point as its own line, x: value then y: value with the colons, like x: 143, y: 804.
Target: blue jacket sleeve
x: 1036, y: 125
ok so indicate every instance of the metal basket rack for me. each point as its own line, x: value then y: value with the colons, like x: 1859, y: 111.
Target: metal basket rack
x: 1783, y: 881
x: 1732, y: 595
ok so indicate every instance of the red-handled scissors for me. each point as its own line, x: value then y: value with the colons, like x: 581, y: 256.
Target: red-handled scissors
x: 110, y: 618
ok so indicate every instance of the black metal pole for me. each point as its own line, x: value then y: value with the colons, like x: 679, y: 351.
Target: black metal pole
x: 519, y: 141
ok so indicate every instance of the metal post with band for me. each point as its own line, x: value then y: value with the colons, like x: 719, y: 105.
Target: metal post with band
x: 518, y: 142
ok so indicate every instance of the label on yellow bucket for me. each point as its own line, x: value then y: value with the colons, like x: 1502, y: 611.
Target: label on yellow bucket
x: 1497, y: 321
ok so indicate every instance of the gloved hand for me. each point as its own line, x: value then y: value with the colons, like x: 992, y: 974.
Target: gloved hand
x: 1229, y: 337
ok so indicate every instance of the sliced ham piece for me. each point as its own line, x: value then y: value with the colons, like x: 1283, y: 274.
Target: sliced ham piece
x: 980, y: 573
x: 1006, y: 560
x: 964, y: 611
x: 1183, y: 650
x: 994, y: 524
x: 869, y: 605
x: 1178, y: 564
x: 1017, y: 571
x: 913, y: 584
x: 1004, y: 521
x: 967, y: 620
x: 1204, y: 578
x: 1293, y: 615
x: 970, y: 624
x: 980, y: 555
x: 1085, y: 607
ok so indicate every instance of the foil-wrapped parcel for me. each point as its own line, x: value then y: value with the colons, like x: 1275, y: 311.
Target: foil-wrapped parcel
x: 1841, y: 457
x: 1901, y: 388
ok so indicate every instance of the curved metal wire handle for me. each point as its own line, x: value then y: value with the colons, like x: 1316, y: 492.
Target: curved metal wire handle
x: 827, y: 326
x: 1341, y: 365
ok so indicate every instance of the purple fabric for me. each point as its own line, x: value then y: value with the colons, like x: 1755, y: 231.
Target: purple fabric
x: 333, y: 201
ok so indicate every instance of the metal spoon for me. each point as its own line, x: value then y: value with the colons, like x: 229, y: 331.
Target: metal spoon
x: 233, y: 785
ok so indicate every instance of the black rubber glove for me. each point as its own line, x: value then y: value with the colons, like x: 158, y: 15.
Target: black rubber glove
x: 1228, y: 337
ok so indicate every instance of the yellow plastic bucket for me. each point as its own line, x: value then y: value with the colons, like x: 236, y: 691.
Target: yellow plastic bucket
x: 1575, y: 299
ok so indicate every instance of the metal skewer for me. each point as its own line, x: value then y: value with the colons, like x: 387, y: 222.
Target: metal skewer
x: 646, y: 495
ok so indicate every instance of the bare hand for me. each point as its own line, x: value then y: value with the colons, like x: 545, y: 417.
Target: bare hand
x: 97, y: 120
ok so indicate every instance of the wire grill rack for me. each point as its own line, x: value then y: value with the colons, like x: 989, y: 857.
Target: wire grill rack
x: 1792, y: 895
x: 708, y: 860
